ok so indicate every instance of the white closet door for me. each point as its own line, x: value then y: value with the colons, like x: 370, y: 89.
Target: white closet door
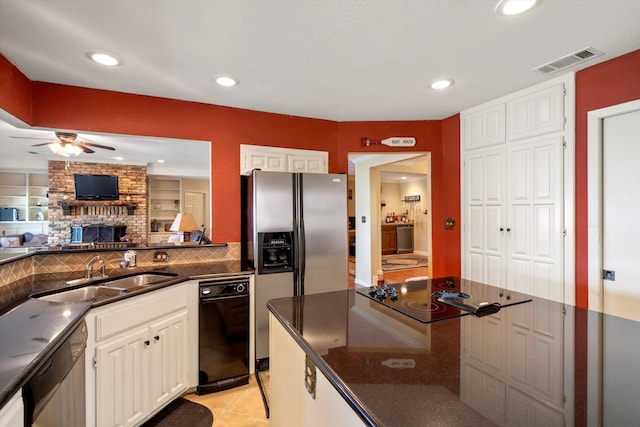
x: 534, y: 227
x: 485, y: 214
x: 621, y: 232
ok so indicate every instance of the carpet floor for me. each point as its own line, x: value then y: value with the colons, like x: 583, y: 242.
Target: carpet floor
x: 403, y: 261
x: 182, y: 413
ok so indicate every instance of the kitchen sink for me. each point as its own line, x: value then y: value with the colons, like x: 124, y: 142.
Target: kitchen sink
x: 87, y: 293
x: 137, y: 280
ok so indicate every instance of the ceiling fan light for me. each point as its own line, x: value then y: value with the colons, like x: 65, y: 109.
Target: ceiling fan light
x: 103, y: 58
x: 66, y: 149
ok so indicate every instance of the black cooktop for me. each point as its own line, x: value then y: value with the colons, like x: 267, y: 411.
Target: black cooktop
x: 431, y: 300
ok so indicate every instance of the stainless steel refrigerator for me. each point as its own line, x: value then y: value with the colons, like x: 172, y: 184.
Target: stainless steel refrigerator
x: 295, y: 239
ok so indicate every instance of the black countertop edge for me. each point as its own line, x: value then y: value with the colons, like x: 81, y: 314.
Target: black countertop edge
x: 46, y: 250
x: 329, y: 373
x: 21, y: 379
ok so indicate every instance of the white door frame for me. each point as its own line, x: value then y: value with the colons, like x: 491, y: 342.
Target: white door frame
x: 595, y: 121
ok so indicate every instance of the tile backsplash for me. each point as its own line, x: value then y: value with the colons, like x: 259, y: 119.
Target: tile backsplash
x: 17, y: 278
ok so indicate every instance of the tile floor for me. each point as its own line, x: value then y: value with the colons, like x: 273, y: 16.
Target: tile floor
x: 238, y: 407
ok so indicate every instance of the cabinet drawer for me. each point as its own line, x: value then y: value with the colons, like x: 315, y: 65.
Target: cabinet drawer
x: 126, y: 314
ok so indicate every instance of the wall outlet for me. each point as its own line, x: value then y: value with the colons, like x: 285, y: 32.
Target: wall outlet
x: 161, y: 256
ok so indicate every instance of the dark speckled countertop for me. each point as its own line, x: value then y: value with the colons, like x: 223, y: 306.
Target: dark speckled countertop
x: 33, y: 329
x: 539, y: 362
x: 29, y: 333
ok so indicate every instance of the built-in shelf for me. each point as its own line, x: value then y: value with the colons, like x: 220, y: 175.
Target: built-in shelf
x: 96, y: 208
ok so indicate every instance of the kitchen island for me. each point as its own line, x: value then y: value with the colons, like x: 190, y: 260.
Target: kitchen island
x: 534, y: 363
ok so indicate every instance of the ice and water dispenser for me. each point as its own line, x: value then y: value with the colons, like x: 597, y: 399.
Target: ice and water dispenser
x: 275, y: 252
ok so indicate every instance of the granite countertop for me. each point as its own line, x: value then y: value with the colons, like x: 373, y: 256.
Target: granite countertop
x: 539, y: 357
x: 29, y: 334
x: 32, y: 330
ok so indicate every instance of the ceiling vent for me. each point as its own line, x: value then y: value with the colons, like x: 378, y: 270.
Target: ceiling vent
x: 574, y: 58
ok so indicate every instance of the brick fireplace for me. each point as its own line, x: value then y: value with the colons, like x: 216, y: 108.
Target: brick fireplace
x: 130, y: 211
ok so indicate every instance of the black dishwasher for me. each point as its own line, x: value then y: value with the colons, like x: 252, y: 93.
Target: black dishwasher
x: 223, y: 350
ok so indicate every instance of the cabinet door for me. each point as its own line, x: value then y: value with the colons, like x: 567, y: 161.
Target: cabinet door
x: 388, y: 238
x: 307, y: 163
x: 122, y: 390
x: 535, y: 240
x: 484, y: 228
x: 252, y: 158
x: 484, y: 128
x: 537, y: 113
x: 290, y: 403
x: 169, y: 358
x: 12, y: 414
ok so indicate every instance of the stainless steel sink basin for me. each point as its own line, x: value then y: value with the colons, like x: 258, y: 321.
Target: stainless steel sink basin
x: 88, y: 293
x: 137, y: 280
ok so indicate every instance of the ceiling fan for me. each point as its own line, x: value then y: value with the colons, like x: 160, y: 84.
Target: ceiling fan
x: 67, y: 144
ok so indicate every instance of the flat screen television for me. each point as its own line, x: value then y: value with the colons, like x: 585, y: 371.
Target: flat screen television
x: 96, y: 187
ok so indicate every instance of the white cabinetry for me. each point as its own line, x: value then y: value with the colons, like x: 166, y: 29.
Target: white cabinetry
x: 484, y: 127
x: 281, y: 159
x: 514, y: 375
x: 164, y: 202
x: 12, y: 414
x: 139, y: 349
x: 513, y: 194
x: 290, y: 402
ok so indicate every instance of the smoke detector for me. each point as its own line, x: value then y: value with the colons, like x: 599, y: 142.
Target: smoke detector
x: 570, y: 60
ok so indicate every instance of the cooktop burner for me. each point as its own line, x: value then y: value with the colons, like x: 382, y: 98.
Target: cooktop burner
x: 442, y: 298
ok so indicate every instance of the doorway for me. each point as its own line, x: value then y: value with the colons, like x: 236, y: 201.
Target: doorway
x: 369, y: 206
x: 613, y: 231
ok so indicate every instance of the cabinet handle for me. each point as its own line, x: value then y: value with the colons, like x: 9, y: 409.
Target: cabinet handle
x: 157, y: 338
x: 147, y: 342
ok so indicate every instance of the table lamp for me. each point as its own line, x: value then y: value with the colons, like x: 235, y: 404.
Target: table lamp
x: 184, y: 224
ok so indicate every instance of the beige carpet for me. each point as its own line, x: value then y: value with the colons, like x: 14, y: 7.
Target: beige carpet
x: 403, y: 261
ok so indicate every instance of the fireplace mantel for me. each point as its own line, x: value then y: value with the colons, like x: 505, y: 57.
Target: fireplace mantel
x: 76, y: 208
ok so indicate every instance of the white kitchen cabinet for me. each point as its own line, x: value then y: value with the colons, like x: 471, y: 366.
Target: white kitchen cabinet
x: 516, y: 376
x: 282, y: 159
x: 485, y: 127
x: 513, y: 197
x: 536, y: 113
x: 291, y: 405
x: 12, y: 413
x: 140, y: 355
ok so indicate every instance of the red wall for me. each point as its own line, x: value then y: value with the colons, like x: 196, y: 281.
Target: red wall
x: 609, y: 83
x: 67, y: 107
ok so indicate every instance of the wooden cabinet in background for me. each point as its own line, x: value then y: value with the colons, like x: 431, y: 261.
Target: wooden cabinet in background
x: 388, y: 239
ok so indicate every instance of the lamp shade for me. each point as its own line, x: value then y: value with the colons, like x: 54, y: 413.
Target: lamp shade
x: 184, y: 222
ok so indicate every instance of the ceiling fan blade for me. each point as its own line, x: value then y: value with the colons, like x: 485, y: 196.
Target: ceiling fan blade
x: 44, y: 143
x: 104, y: 147
x: 85, y: 149
x: 28, y: 137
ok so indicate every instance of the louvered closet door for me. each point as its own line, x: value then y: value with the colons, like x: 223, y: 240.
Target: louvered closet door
x: 534, y: 220
x: 485, y: 214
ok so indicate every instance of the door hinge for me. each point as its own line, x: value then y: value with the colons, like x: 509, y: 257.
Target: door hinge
x: 94, y: 362
x: 609, y: 275
x: 564, y: 91
x: 564, y: 400
x: 310, y: 376
x: 564, y: 232
x: 564, y: 143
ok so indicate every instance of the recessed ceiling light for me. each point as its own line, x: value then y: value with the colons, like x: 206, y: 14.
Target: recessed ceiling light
x: 226, y: 81
x: 119, y: 158
x: 103, y: 58
x: 514, y: 7
x: 442, y: 84
x: 160, y: 161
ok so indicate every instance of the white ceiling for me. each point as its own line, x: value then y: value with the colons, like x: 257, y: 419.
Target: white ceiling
x: 339, y: 60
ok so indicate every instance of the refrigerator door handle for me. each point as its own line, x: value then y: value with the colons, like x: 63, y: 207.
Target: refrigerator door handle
x: 301, y: 253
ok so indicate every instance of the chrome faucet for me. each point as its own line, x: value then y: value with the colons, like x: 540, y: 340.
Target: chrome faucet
x: 89, y: 269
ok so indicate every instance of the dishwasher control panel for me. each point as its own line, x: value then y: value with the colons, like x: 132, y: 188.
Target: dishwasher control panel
x: 224, y: 288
